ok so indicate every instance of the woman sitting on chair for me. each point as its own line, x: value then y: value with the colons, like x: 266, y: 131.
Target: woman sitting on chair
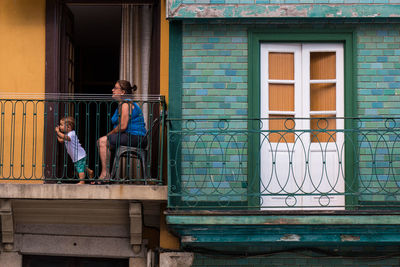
x: 128, y: 126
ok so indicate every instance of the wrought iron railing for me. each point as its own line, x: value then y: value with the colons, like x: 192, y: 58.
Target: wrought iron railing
x: 284, y: 163
x: 30, y: 151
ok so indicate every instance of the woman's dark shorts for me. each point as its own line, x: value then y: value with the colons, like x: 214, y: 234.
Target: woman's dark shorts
x: 126, y: 139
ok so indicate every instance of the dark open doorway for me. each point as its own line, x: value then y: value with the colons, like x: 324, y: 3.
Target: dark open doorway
x: 83, y: 54
x: 97, y: 41
x: 94, y: 27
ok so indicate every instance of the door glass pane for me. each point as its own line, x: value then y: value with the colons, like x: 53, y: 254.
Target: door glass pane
x: 281, y: 66
x: 324, y: 124
x: 284, y: 123
x: 322, y: 65
x: 322, y: 96
x: 281, y: 97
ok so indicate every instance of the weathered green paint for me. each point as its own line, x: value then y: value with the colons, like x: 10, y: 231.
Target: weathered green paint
x: 350, y: 109
x: 253, y: 112
x: 284, y: 220
x: 175, y: 96
x: 212, y: 238
x: 173, y: 5
x: 256, y: 232
x: 256, y: 37
x: 275, y: 237
x: 177, y: 10
x: 175, y: 65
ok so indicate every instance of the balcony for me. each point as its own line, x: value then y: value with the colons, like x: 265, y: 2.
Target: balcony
x: 33, y: 164
x: 285, y: 164
x: 248, y: 185
x: 39, y: 194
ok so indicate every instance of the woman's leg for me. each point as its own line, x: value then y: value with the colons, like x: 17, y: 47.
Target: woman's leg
x: 136, y: 141
x: 113, y: 141
x: 104, y: 156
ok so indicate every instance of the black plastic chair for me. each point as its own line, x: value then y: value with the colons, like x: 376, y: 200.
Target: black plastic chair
x: 139, y: 153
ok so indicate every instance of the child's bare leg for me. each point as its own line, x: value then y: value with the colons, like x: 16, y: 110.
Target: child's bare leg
x: 81, y: 178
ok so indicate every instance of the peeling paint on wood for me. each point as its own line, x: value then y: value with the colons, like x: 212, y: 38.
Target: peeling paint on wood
x: 188, y: 238
x: 280, y: 221
x: 290, y: 238
x: 349, y: 238
x: 173, y: 6
x: 178, y: 10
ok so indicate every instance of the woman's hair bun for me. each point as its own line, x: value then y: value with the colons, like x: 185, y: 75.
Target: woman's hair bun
x: 126, y: 86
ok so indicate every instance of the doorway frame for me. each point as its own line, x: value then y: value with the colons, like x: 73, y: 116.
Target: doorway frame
x: 53, y: 62
x: 53, y: 42
x: 255, y: 38
x: 275, y: 177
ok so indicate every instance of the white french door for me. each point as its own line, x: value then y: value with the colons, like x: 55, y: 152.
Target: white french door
x: 302, y: 153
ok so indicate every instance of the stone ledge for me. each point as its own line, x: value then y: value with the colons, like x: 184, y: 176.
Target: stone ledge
x: 83, y: 192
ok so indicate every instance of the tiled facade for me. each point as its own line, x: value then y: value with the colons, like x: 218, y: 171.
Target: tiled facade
x: 215, y: 85
x: 378, y: 67
x: 215, y: 69
x: 220, y: 161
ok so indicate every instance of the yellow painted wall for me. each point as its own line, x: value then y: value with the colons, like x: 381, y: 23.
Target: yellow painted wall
x: 22, y: 70
x: 167, y: 240
x: 22, y: 45
x: 164, y: 53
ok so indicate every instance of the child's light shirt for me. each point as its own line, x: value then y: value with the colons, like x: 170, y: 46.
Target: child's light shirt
x: 74, y: 148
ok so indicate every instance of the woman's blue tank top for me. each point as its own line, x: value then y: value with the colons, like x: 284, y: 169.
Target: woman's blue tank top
x: 136, y: 125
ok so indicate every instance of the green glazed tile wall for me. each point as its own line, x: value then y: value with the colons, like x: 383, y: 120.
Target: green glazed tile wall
x: 215, y: 85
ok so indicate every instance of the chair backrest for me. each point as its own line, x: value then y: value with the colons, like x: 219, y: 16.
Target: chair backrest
x: 153, y: 129
x: 154, y: 126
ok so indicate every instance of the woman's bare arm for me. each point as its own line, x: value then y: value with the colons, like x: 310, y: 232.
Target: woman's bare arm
x: 123, y: 124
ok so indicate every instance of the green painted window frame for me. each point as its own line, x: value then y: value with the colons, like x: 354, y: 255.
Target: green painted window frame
x: 255, y: 38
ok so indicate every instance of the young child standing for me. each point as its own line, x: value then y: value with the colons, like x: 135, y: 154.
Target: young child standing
x: 66, y: 134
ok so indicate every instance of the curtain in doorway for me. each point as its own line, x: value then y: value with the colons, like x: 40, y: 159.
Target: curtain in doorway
x: 136, y: 35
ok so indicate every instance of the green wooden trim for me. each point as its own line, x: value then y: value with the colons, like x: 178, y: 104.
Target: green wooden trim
x: 351, y: 158
x: 258, y: 36
x: 248, y: 242
x: 175, y: 67
x: 272, y: 231
x: 173, y: 5
x: 249, y: 239
x: 175, y: 103
x: 178, y: 10
x: 208, y: 205
x: 285, y: 220
x: 253, y: 125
